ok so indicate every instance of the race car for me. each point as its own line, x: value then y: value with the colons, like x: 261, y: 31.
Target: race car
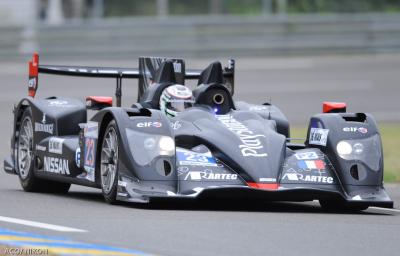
x: 216, y: 148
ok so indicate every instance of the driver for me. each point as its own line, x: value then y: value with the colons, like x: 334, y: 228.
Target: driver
x: 176, y: 98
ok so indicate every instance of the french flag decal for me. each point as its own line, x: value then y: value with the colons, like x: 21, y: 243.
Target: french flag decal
x: 311, y: 164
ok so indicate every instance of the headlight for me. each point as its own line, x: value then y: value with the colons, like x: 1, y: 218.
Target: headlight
x: 149, y: 143
x: 367, y: 150
x: 348, y: 149
x: 167, y: 145
x: 358, y: 148
x: 146, y: 147
x: 344, y: 148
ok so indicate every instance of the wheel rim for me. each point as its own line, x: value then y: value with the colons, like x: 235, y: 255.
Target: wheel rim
x: 109, y: 160
x: 25, y: 145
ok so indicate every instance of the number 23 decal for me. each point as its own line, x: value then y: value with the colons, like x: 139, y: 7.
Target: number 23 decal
x: 89, y: 152
x: 196, y: 158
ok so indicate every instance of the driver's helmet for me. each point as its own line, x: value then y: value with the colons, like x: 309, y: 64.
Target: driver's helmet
x: 175, y: 99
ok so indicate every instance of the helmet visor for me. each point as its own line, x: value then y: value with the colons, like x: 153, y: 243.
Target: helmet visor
x: 179, y: 105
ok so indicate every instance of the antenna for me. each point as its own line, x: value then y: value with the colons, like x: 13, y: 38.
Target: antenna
x: 269, y: 109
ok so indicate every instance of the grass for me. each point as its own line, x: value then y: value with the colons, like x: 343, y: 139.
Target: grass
x: 391, y: 141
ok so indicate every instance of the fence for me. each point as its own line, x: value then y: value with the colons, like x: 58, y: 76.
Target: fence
x: 211, y: 36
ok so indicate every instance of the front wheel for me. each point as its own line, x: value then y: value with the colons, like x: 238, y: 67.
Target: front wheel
x: 109, y: 163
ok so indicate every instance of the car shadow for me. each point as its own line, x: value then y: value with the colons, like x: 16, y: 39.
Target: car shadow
x: 92, y: 196
x: 86, y: 196
x: 222, y: 205
x: 243, y: 206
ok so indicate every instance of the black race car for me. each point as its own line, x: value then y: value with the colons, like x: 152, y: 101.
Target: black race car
x: 219, y: 148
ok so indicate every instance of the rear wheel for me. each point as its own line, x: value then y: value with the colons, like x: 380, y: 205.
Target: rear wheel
x: 26, y: 159
x: 109, y: 163
x: 336, y: 206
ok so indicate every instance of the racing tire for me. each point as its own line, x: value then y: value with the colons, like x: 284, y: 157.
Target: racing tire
x: 109, y: 163
x: 25, y: 159
x: 340, y: 206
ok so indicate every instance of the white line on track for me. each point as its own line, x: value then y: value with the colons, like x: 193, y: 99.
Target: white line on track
x: 40, y: 225
x: 384, y: 209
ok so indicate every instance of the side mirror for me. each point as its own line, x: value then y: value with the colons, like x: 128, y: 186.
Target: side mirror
x: 98, y: 102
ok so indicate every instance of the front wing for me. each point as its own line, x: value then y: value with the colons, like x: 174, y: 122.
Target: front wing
x: 362, y: 196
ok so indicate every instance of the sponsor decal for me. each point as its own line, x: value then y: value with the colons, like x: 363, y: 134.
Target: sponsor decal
x: 267, y: 179
x: 186, y: 157
x: 32, y: 83
x: 41, y: 148
x: 91, y: 130
x: 176, y: 125
x: 182, y: 170
x: 90, y: 154
x: 258, y: 108
x: 296, y: 176
x: 149, y: 124
x: 59, y: 103
x: 56, y: 165
x: 209, y: 175
x: 78, y: 157
x: 306, y: 155
x: 252, y: 145
x: 177, y: 67
x: 318, y: 136
x: 89, y: 158
x: 311, y: 164
x: 56, y: 145
x: 362, y: 130
x: 43, y: 126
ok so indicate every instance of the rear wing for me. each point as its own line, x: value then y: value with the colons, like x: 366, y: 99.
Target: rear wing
x: 147, y: 68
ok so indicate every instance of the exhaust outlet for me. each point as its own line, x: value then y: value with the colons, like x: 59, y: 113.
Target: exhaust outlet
x: 218, y: 99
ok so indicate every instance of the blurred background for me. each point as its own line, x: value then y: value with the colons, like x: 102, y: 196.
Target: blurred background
x: 295, y: 53
x: 127, y: 28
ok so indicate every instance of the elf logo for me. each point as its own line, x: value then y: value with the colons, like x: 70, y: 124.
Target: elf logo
x: 149, y: 124
x: 355, y: 129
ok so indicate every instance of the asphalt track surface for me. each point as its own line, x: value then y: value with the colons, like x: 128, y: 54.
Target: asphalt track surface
x: 366, y: 83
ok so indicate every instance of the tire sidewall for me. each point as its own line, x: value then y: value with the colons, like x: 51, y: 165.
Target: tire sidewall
x: 112, y: 195
x: 26, y: 182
